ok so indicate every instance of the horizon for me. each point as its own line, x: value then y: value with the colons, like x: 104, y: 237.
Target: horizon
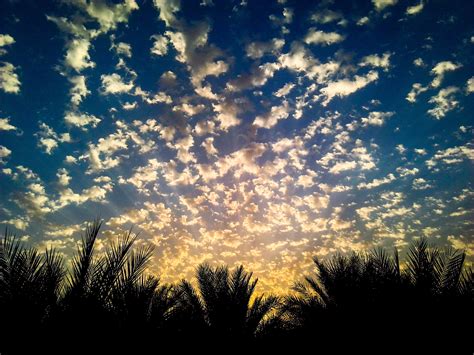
x: 261, y: 133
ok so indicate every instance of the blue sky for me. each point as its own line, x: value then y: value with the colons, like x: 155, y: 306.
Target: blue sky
x: 254, y: 132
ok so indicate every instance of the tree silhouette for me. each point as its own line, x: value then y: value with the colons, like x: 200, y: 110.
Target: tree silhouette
x: 222, y: 307
x: 104, y: 301
x: 370, y: 293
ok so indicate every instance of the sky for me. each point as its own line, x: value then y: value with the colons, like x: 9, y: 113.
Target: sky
x: 250, y: 132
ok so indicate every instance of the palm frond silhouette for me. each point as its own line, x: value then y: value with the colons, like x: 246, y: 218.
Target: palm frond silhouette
x: 222, y: 304
x: 102, y: 294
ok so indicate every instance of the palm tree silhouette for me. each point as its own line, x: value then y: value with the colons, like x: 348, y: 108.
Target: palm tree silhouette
x: 222, y: 307
x: 102, y: 295
x: 432, y: 288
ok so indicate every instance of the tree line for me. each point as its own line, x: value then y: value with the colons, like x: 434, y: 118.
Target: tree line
x: 107, y: 303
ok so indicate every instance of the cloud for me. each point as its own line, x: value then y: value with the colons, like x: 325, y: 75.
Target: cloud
x: 342, y: 166
x: 382, y: 4
x: 201, y: 58
x: 326, y: 16
x: 9, y: 81
x: 49, y: 140
x: 470, y: 85
x: 444, y: 102
x: 258, y: 76
x: 94, y: 193
x: 415, y: 9
x: 121, y: 48
x: 376, y: 118
x: 271, y: 118
x: 256, y: 50
x: 6, y: 126
x: 439, y: 71
x: 376, y: 61
x: 107, y: 15
x: 227, y: 112
x: 18, y: 223
x: 5, y: 40
x: 345, y: 87
x: 167, y: 10
x: 77, y: 54
x: 284, y: 90
x: 63, y: 177
x: 81, y: 120
x: 4, y: 153
x: 160, y: 45
x: 416, y: 89
x: 377, y: 182
x: 363, y: 21
x: 113, y: 84
x: 208, y: 145
x: 322, y: 38
x: 454, y: 155
x: 78, y: 90
x: 101, y: 156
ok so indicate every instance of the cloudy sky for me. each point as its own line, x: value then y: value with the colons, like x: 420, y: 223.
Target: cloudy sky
x: 254, y: 132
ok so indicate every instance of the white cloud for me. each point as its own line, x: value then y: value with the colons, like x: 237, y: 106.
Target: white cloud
x: 257, y: 50
x: 113, y: 84
x: 470, y: 85
x: 340, y: 167
x: 160, y: 45
x: 376, y: 61
x: 77, y: 54
x: 416, y: 89
x: 444, y: 102
x: 363, y: 21
x: 70, y: 159
x: 439, y: 71
x: 227, y: 112
x: 94, y: 193
x: 382, y: 4
x: 78, y: 90
x: 415, y: 9
x: 49, y: 139
x: 345, y: 87
x: 190, y: 41
x: 108, y: 16
x: 271, y: 118
x: 4, y: 153
x: 323, y: 38
x: 418, y: 62
x: 377, y: 182
x: 204, y: 127
x: 167, y: 10
x: 326, y: 16
x: 454, y: 155
x: 81, y: 120
x: 5, y: 40
x: 284, y: 90
x: 5, y: 125
x: 376, y: 118
x: 208, y: 145
x: 63, y: 177
x: 9, y: 81
x: 122, y: 48
x: 400, y: 148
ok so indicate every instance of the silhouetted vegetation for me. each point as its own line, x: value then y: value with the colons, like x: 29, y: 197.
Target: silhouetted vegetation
x: 104, y: 302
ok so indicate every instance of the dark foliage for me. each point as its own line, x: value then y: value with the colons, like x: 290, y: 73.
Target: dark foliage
x: 105, y: 303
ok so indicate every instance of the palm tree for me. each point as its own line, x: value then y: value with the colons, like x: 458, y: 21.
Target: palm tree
x: 369, y: 293
x: 222, y: 305
x: 30, y: 287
